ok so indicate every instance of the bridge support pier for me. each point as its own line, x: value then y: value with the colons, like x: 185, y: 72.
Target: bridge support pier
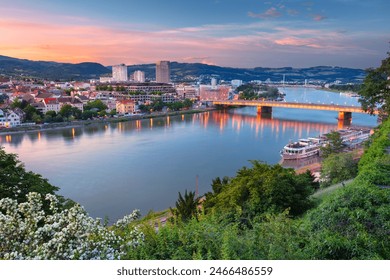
x: 264, y: 111
x: 344, y: 119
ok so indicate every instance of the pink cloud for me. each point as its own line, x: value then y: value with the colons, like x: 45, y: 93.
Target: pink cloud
x: 229, y: 45
x: 319, y: 17
x: 270, y: 13
x: 290, y: 41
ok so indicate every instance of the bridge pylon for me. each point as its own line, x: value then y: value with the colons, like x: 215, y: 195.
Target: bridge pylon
x: 264, y: 111
x: 344, y: 119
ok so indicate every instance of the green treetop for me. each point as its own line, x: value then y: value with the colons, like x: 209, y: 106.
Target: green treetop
x: 375, y: 91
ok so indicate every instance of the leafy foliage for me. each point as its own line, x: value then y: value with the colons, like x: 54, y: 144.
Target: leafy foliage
x: 347, y: 87
x: 354, y: 223
x: 96, y: 104
x: 68, y: 111
x: 252, y: 91
x: 3, y: 98
x: 16, y: 182
x: 186, y: 207
x: 375, y: 92
x: 335, y: 144
x: 337, y: 168
x: 263, y: 189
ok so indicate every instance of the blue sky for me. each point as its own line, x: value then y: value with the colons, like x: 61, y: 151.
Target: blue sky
x: 237, y: 33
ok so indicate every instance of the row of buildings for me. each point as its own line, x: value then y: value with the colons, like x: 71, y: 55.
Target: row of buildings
x: 120, y: 74
x: 52, y: 96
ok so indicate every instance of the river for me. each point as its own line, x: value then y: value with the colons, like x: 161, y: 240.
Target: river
x: 112, y: 169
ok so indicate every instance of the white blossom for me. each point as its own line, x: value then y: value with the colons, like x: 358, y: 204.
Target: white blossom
x: 27, y: 232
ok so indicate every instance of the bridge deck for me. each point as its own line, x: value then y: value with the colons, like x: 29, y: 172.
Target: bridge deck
x: 296, y: 105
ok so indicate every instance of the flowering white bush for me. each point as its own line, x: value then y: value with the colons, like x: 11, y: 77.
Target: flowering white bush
x: 27, y: 232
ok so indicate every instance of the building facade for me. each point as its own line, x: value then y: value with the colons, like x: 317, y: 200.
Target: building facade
x: 9, y: 118
x: 190, y: 92
x: 163, y: 72
x: 139, y: 76
x: 125, y: 107
x: 210, y: 93
x: 119, y: 73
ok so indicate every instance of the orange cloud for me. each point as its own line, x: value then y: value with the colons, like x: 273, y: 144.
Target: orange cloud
x: 79, y: 40
x: 298, y: 42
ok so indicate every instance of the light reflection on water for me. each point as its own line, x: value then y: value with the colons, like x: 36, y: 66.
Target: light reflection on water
x: 113, y: 168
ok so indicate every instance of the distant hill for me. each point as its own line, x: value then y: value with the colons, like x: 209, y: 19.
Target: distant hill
x: 50, y: 70
x: 187, y: 72
x: 179, y: 71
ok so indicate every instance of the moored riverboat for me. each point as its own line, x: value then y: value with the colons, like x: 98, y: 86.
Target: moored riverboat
x: 354, y: 136
x: 303, y: 148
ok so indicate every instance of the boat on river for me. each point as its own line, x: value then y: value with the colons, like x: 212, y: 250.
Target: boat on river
x: 303, y: 148
x: 354, y: 136
x: 309, y: 147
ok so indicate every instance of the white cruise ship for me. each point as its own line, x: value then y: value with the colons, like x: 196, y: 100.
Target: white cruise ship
x: 303, y: 148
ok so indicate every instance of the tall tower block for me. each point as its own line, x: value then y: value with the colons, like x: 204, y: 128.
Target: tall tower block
x: 163, y: 72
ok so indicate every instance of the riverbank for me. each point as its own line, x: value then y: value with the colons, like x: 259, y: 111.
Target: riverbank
x: 315, y: 167
x: 72, y: 124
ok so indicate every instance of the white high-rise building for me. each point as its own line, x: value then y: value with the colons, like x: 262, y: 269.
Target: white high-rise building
x: 139, y: 76
x: 119, y: 73
x: 236, y: 83
x: 214, y: 82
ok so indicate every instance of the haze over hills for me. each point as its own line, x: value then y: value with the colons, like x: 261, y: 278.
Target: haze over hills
x: 179, y: 71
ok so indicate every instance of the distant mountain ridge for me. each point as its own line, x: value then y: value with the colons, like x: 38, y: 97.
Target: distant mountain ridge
x: 179, y: 71
x: 185, y: 72
x: 51, y: 70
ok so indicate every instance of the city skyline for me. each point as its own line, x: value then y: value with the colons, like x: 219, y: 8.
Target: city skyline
x: 234, y: 33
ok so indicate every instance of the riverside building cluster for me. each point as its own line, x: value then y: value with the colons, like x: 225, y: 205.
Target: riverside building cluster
x: 121, y: 91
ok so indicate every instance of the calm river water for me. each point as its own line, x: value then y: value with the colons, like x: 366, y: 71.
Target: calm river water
x: 115, y: 168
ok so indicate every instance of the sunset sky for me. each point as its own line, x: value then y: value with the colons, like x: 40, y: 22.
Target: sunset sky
x: 236, y: 33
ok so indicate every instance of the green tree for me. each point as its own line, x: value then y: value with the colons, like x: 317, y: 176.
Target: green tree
x: 16, y: 104
x: 157, y: 105
x: 49, y: 116
x: 98, y: 104
x: 352, y: 223
x: 337, y: 168
x: 3, y: 97
x: 335, y: 144
x: 217, y: 186
x: 264, y: 189
x: 88, y: 115
x: 112, y: 112
x: 144, y: 108
x: 186, y: 206
x: 375, y: 91
x: 36, y: 118
x: 52, y: 114
x: 102, y: 113
x: 187, y: 103
x: 175, y: 106
x: 31, y: 113
x: 66, y: 111
x: 16, y: 182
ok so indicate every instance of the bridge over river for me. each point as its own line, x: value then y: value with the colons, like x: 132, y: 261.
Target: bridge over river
x: 265, y: 107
